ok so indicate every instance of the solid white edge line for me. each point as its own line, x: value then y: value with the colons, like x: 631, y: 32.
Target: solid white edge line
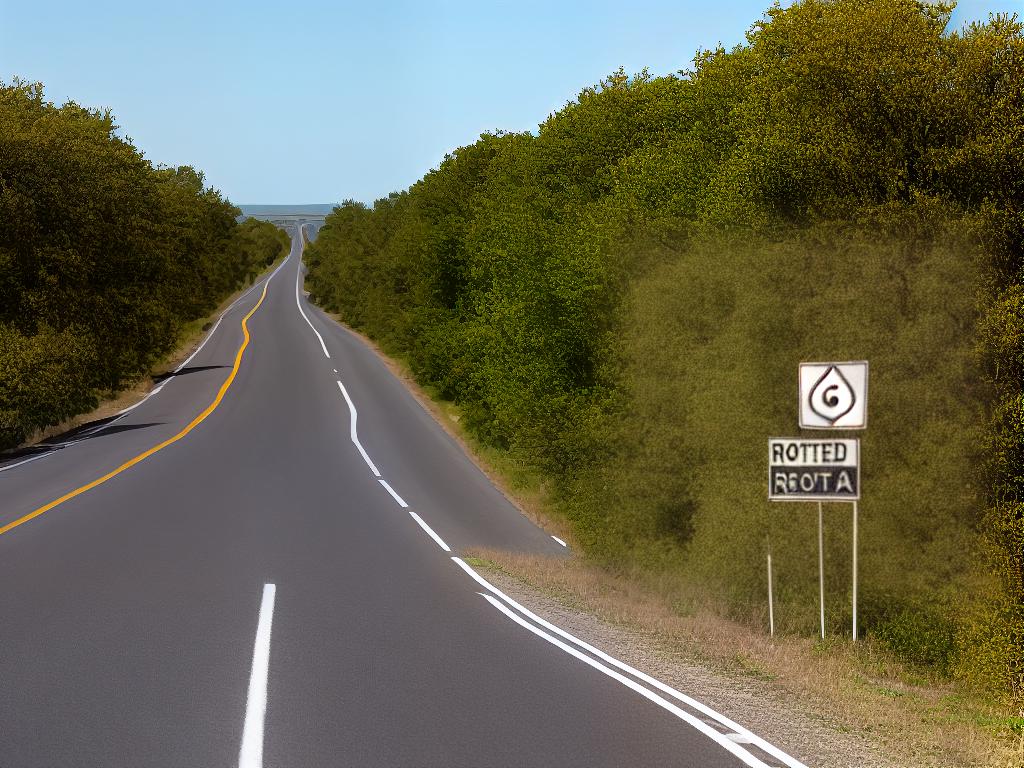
x: 353, y: 432
x: 395, y: 496
x: 156, y: 390
x: 298, y: 274
x: 560, y: 541
x: 250, y: 755
x: 26, y: 461
x: 767, y: 747
x: 213, y: 330
x: 430, y: 532
x: 726, y: 743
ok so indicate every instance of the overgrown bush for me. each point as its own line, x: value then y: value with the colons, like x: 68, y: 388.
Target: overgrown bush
x: 621, y: 300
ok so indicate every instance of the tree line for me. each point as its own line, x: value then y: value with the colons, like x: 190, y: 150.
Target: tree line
x: 620, y: 300
x: 103, y: 258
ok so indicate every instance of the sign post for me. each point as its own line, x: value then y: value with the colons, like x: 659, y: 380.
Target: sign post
x: 801, y: 469
x: 821, y: 567
x: 835, y: 396
x: 855, y: 571
x: 832, y: 396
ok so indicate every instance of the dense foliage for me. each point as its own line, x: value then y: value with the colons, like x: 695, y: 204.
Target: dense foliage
x: 103, y: 258
x: 621, y: 300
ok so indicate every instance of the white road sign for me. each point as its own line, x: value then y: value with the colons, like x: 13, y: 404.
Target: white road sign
x: 834, y: 395
x: 813, y: 470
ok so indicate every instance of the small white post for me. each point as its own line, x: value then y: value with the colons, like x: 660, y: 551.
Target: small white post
x: 771, y: 606
x: 855, y: 571
x: 821, y: 567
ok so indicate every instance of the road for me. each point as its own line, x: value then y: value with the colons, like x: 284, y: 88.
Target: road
x: 277, y: 581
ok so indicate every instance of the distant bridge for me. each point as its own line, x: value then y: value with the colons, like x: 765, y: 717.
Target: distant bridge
x: 288, y: 218
x: 291, y: 220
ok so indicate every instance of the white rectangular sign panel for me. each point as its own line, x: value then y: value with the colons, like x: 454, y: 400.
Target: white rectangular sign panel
x: 834, y: 395
x: 813, y: 470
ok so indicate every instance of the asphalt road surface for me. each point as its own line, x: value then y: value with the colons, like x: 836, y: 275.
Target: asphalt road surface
x: 268, y: 573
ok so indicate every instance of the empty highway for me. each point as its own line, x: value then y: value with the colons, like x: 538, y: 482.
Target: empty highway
x: 260, y: 565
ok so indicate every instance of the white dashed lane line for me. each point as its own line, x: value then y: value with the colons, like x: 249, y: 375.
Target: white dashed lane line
x: 395, y: 496
x: 250, y: 755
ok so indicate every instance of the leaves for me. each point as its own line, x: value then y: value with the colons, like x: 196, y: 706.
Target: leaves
x: 595, y: 295
x: 102, y: 258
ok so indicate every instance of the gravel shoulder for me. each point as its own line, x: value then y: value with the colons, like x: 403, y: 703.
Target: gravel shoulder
x: 812, y: 737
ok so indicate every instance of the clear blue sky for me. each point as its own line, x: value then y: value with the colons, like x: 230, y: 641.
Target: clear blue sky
x: 302, y: 102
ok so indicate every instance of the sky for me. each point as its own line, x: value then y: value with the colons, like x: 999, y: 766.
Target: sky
x: 304, y: 102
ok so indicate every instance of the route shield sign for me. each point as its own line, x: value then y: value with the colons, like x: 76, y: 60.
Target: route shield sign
x: 813, y: 470
x: 834, y: 395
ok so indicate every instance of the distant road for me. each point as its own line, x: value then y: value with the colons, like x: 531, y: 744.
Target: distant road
x: 279, y: 583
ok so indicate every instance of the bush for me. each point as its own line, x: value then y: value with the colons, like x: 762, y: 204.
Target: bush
x: 103, y: 258
x: 621, y: 301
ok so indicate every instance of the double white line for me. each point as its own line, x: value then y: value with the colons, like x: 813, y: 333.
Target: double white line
x: 728, y: 734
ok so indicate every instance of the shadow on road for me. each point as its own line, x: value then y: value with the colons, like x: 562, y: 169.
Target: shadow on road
x: 87, y: 431
x: 191, y: 369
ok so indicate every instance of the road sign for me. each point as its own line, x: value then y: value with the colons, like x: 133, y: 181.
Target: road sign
x: 813, y: 470
x: 834, y: 395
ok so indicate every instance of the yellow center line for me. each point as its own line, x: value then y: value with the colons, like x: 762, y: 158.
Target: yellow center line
x: 146, y: 454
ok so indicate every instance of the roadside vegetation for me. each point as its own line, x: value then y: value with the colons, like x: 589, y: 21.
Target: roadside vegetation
x: 617, y: 303
x: 104, y: 258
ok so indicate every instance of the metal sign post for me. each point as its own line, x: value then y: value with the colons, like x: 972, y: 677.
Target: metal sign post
x: 832, y: 396
x: 821, y: 567
x: 801, y: 469
x: 835, y: 396
x: 855, y: 571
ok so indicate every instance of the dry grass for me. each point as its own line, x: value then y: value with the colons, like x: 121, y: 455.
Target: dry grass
x: 920, y: 721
